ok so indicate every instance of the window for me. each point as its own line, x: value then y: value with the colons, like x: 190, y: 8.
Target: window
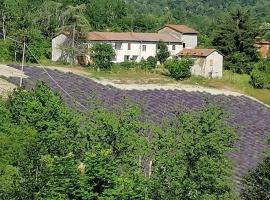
x: 126, y: 58
x: 143, y: 47
x: 129, y: 46
x: 134, y: 58
x: 173, y: 47
x: 118, y: 45
x: 184, y: 45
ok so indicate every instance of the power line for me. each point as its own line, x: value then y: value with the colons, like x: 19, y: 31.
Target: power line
x: 46, y: 71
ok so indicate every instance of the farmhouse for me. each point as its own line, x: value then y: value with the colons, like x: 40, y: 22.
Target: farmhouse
x: 208, y: 62
x: 131, y: 46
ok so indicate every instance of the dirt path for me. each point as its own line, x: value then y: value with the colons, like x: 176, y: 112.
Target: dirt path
x: 6, y: 87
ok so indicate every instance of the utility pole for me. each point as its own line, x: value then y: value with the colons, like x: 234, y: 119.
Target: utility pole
x: 23, y: 57
x: 3, y: 25
x: 73, y: 43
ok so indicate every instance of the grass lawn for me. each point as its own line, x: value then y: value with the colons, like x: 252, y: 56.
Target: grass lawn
x: 233, y: 82
x: 133, y: 75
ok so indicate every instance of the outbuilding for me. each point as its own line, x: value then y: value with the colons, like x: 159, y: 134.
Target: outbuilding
x: 207, y: 62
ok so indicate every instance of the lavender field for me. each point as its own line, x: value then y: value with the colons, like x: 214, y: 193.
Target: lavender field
x: 251, y: 118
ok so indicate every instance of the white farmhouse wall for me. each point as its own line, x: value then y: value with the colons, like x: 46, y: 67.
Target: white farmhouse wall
x: 178, y: 48
x: 137, y: 50
x: 190, y: 40
x: 198, y: 69
x: 214, y: 63
x: 57, y: 53
x: 210, y: 66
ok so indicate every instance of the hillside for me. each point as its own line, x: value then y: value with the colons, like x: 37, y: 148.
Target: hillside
x: 250, y: 117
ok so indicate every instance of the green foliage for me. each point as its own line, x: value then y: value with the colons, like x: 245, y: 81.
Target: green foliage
x: 102, y: 55
x: 63, y: 179
x: 179, y: 69
x: 150, y: 63
x: 128, y: 65
x: 49, y: 152
x: 260, y: 75
x: 235, y: 38
x: 191, y: 162
x: 5, y: 50
x: 162, y: 54
x: 45, y: 19
x: 13, y: 140
x: 104, y: 15
x: 257, y: 182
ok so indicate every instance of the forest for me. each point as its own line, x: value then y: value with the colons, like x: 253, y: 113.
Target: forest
x: 38, y: 21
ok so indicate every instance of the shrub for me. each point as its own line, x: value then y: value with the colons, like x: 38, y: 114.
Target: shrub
x: 179, y: 69
x: 151, y: 62
x: 102, y: 55
x: 260, y: 75
x: 163, y: 52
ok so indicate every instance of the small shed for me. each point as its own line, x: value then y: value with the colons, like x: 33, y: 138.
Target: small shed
x: 208, y: 62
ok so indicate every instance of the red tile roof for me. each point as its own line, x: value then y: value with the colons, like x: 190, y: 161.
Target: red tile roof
x: 130, y: 36
x: 196, y: 52
x: 182, y: 28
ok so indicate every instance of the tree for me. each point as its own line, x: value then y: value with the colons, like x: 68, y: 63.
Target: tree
x: 106, y: 15
x: 162, y: 53
x: 191, y: 162
x: 63, y: 179
x: 102, y: 55
x: 257, y: 183
x: 260, y: 75
x: 76, y: 24
x: 235, y: 38
x: 179, y: 69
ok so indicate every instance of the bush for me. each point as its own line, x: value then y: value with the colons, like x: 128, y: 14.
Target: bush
x: 102, y: 55
x: 260, y: 75
x: 256, y: 183
x: 179, y: 69
x: 151, y: 62
x: 4, y: 52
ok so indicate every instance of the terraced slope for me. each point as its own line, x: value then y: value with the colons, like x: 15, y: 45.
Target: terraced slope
x: 252, y: 117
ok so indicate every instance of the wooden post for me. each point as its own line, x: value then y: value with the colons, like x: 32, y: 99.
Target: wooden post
x: 150, y: 168
x: 140, y: 161
x: 73, y: 44
x: 23, y: 57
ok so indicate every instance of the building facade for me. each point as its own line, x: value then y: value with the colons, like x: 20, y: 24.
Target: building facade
x: 130, y: 46
x: 207, y: 62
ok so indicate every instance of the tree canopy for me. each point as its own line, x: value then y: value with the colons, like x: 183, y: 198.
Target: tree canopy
x: 51, y: 152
